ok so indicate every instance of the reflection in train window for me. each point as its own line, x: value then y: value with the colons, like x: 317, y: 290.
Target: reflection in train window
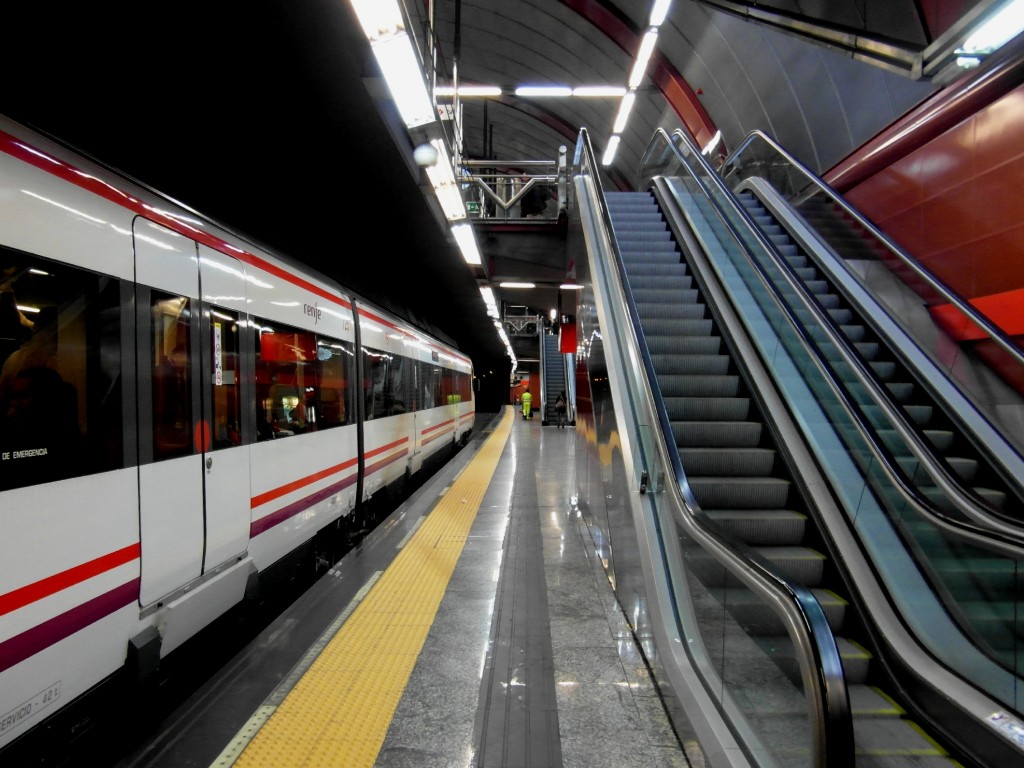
x: 60, y: 371
x: 302, y: 381
x: 225, y: 380
x: 385, y: 392
x: 335, y: 360
x: 172, y: 377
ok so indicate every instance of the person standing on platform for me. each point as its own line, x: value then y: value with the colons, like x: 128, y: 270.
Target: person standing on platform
x: 527, y: 402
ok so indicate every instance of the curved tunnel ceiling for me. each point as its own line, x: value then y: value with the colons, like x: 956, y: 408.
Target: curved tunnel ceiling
x: 719, y: 65
x: 272, y: 117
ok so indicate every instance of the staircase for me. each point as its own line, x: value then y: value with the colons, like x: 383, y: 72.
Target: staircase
x: 742, y: 483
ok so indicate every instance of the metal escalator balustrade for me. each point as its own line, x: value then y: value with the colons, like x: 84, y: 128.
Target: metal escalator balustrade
x: 741, y: 482
x: 554, y: 376
x: 987, y: 369
x: 730, y: 685
x: 978, y: 585
x: 933, y: 619
x: 983, y: 589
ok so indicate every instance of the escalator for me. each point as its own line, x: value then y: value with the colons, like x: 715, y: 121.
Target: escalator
x: 554, y: 376
x: 742, y: 477
x: 949, y: 441
x: 983, y: 591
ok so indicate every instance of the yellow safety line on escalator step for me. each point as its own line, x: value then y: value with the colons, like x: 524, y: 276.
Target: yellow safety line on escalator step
x: 339, y: 712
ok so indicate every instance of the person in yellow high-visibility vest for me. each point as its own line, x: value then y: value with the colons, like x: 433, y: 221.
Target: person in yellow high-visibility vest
x: 527, y: 402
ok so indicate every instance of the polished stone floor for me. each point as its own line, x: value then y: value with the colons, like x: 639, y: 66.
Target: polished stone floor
x: 530, y: 661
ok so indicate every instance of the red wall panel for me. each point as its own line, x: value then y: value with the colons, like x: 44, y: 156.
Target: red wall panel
x: 957, y: 204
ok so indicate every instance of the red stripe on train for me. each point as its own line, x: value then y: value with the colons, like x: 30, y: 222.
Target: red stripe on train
x: 30, y: 593
x: 448, y: 424
x: 388, y: 447
x: 45, y: 162
x: 295, y: 485
x: 297, y: 507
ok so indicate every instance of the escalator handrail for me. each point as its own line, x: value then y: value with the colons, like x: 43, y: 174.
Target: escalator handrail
x: 994, y: 332
x: 981, y: 538
x: 992, y: 534
x: 817, y: 651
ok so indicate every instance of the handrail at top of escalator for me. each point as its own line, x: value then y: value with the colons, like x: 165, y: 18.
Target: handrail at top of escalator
x: 994, y: 331
x: 985, y: 531
x: 818, y: 653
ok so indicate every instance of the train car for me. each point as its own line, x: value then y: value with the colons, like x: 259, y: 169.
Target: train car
x: 181, y: 413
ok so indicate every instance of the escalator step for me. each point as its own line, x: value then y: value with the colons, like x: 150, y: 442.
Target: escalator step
x: 776, y: 526
x: 737, y: 435
x: 707, y: 408
x: 684, y: 326
x: 801, y: 564
x: 706, y: 365
x: 684, y: 345
x: 867, y: 701
x: 673, y: 294
x: 669, y: 311
x: 699, y: 386
x: 740, y: 492
x: 754, y: 462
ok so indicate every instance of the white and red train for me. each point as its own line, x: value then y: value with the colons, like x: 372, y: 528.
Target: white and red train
x: 180, y: 411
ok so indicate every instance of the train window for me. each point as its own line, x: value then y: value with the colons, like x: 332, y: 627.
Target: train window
x: 335, y: 361
x: 433, y: 384
x: 172, y: 377
x: 395, y: 384
x: 462, y: 387
x: 411, y: 384
x: 450, y: 386
x: 377, y: 393
x: 301, y: 381
x: 60, y: 371
x: 225, y: 379
x: 387, y: 392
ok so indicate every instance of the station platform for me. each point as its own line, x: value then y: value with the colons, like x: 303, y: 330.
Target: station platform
x: 475, y: 626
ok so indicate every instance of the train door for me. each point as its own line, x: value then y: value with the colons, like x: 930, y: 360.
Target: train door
x: 225, y: 460
x: 170, y: 470
x: 193, y: 479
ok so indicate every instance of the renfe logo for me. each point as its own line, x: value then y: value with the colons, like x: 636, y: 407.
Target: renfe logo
x: 313, y: 310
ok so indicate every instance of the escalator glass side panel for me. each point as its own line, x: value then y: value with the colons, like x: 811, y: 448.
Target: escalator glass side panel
x: 734, y: 635
x: 981, y: 367
x: 948, y: 621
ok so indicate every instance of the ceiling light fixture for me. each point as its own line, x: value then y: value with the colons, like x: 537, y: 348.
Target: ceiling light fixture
x: 642, y: 58
x: 544, y: 90
x: 466, y: 240
x: 610, y: 150
x: 384, y: 27
x: 559, y: 91
x: 599, y: 91
x: 492, y: 306
x: 517, y: 285
x: 1002, y: 26
x: 659, y: 12
x: 624, y: 109
x: 468, y: 90
x: 442, y: 178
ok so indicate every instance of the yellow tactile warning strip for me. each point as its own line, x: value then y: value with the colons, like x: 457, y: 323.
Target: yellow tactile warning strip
x: 339, y: 712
